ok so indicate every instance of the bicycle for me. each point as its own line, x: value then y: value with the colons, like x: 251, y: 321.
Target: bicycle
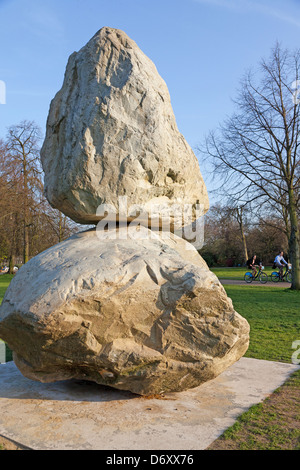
x: 261, y: 276
x: 287, y: 276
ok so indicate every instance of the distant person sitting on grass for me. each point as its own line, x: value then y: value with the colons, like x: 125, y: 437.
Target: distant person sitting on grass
x: 252, y: 264
x: 279, y: 262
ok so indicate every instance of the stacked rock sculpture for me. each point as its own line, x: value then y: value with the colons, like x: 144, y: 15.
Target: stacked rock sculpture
x: 128, y: 304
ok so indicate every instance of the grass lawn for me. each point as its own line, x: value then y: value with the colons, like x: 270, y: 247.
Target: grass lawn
x: 4, y: 283
x: 273, y: 313
x: 273, y: 424
x: 274, y: 317
x: 237, y: 274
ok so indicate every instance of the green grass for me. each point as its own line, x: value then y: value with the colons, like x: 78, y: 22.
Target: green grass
x: 273, y: 313
x: 273, y: 424
x: 274, y: 317
x: 236, y: 274
x: 4, y: 283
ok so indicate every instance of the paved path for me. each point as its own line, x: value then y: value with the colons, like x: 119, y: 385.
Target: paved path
x: 78, y: 415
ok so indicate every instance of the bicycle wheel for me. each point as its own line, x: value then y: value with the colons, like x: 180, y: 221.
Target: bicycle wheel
x: 275, y: 276
x: 263, y: 278
x: 248, y: 277
x: 288, y: 277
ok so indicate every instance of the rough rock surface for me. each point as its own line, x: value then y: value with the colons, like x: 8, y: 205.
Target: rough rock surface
x: 111, y: 132
x: 144, y: 315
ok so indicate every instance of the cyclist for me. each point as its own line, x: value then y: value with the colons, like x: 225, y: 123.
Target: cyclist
x: 251, y: 263
x: 279, y: 262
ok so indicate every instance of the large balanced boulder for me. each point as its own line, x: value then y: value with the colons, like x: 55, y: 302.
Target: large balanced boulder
x: 111, y: 132
x: 143, y: 314
x: 121, y: 305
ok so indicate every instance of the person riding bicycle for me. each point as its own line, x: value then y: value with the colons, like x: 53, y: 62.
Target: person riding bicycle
x: 252, y: 263
x: 279, y: 263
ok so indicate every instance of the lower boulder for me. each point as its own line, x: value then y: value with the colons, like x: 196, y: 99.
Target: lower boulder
x: 141, y: 314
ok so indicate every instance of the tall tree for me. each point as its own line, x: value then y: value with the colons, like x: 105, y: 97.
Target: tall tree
x: 10, y: 207
x: 23, y: 146
x: 222, y: 238
x: 238, y: 213
x: 257, y: 149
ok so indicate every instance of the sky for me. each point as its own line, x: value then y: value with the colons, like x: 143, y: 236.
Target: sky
x: 201, y: 48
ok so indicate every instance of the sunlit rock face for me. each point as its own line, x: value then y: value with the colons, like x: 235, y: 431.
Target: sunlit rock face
x: 144, y: 315
x: 111, y: 132
x: 131, y: 307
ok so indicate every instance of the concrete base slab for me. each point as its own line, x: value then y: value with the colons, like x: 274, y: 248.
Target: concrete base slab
x: 79, y: 415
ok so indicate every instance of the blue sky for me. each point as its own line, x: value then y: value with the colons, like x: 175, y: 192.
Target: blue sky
x: 200, y: 47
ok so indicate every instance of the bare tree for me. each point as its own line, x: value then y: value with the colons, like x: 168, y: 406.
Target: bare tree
x: 23, y: 147
x: 257, y: 150
x: 28, y: 224
x: 223, y: 240
x: 10, y: 207
x: 61, y: 226
x: 238, y: 212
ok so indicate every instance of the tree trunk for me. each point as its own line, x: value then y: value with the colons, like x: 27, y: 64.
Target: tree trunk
x: 294, y: 241
x: 26, y: 212
x: 26, y: 242
x: 244, y: 242
x: 239, y: 217
x: 11, y: 264
x: 13, y: 245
